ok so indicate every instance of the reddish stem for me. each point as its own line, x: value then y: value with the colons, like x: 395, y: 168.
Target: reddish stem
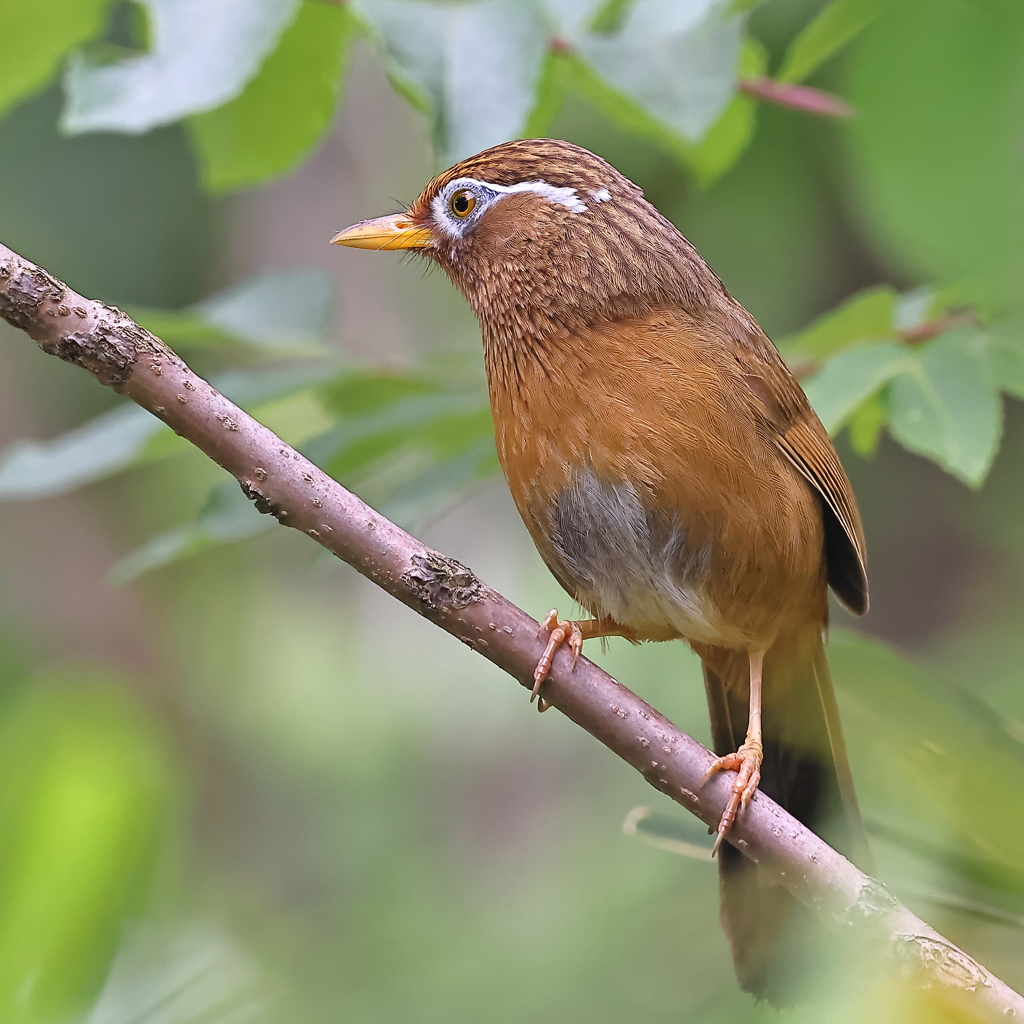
x: 797, y: 97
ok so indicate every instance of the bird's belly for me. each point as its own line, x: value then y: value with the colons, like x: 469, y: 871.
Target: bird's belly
x: 634, y: 565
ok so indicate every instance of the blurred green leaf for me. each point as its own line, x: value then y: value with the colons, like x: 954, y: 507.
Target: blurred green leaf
x: 284, y: 110
x: 914, y: 308
x: 610, y: 16
x: 707, y: 160
x: 851, y: 378
x: 939, y: 87
x: 866, y: 425
x: 40, y: 469
x: 285, y: 313
x: 128, y: 436
x: 84, y: 795
x: 443, y: 483
x: 182, y: 328
x: 686, y: 837
x: 288, y: 311
x: 227, y: 516
x: 473, y: 67
x: 190, y: 971
x: 1006, y: 351
x: 945, y: 404
x: 404, y: 414
x: 1001, y: 883
x: 830, y: 30
x: 930, y: 761
x: 352, y: 394
x: 253, y: 388
x: 36, y: 36
x: 677, y: 61
x: 548, y: 97
x: 203, y: 53
x: 730, y: 135
x: 410, y: 444
x: 866, y: 316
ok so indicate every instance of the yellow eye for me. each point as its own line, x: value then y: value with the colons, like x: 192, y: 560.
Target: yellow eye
x: 461, y: 204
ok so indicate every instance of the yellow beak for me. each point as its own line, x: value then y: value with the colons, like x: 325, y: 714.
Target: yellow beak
x: 394, y: 232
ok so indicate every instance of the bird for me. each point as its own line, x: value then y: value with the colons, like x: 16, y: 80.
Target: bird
x: 672, y: 474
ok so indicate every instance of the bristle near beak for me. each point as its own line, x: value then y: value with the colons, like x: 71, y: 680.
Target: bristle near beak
x: 394, y: 232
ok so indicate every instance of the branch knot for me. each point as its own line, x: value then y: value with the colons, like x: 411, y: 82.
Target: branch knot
x: 441, y: 582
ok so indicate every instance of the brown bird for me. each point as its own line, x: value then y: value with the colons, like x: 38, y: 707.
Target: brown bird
x: 670, y: 471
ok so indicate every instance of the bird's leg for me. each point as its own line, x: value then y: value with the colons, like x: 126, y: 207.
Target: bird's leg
x: 572, y: 633
x: 746, y: 762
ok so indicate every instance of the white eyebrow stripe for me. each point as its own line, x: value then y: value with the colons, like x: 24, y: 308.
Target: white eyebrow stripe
x: 559, y: 195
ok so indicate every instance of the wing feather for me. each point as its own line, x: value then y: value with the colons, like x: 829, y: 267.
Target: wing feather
x: 805, y: 442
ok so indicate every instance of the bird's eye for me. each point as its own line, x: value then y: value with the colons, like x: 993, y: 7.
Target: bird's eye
x: 462, y: 203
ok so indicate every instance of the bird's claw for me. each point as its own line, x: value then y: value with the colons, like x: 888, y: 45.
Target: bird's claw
x: 558, y: 633
x: 746, y: 762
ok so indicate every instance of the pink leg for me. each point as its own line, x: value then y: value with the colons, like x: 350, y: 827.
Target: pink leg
x: 573, y: 634
x: 746, y: 762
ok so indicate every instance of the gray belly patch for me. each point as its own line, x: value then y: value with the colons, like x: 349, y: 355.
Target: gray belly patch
x: 630, y: 562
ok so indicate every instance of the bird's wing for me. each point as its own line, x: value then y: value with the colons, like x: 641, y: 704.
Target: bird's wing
x: 805, y: 442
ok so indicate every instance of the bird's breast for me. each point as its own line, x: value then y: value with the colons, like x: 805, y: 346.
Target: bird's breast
x: 644, y: 473
x: 641, y: 566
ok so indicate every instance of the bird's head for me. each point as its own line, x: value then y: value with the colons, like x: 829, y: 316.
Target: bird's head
x: 543, y: 237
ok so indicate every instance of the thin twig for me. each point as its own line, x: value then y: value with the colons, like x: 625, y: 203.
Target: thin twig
x: 282, y: 483
x: 797, y: 97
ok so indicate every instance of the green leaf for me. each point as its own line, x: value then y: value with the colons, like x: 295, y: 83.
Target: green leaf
x: 548, y: 97
x: 707, y: 160
x: 473, y: 67
x: 182, y: 328
x: 830, y: 30
x: 203, y: 53
x: 412, y: 445
x: 284, y: 110
x: 182, y: 971
x: 866, y: 426
x: 679, y: 62
x: 128, y: 436
x: 289, y: 312
x: 1006, y: 352
x: 105, y: 445
x: 685, y: 837
x: 85, y: 793
x: 866, y: 316
x: 358, y: 441
x: 227, y: 516
x: 946, y: 405
x: 851, y: 378
x: 443, y: 483
x: 284, y: 314
x: 610, y: 16
x: 354, y: 394
x: 36, y: 36
x: 951, y: 776
x: 730, y: 135
x: 914, y: 308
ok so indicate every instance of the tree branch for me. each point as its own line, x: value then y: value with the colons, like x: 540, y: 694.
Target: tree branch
x: 282, y: 483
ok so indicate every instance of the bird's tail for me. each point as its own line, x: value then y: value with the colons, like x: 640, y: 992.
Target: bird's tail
x: 805, y: 770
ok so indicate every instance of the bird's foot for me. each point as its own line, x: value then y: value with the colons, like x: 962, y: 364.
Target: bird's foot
x: 746, y: 762
x: 558, y: 633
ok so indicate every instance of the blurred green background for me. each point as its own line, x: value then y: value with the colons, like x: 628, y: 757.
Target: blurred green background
x: 246, y: 786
